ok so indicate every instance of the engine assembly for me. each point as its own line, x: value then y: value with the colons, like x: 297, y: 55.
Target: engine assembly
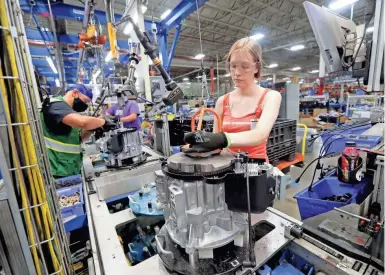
x: 205, y: 231
x: 123, y: 147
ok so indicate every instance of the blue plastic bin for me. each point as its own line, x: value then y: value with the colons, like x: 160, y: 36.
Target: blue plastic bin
x: 75, y: 223
x: 345, y: 130
x: 310, y: 204
x: 337, y: 143
x: 68, y: 181
x: 72, y: 210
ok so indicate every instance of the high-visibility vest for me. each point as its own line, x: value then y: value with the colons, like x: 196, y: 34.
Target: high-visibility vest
x: 64, y: 151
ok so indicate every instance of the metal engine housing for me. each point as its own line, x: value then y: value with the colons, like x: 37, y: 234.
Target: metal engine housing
x: 121, y: 145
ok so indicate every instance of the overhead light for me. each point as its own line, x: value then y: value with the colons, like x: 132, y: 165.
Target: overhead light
x: 297, y: 47
x: 214, y: 78
x: 257, y: 36
x: 199, y: 76
x: 314, y: 71
x: 370, y: 29
x: 286, y: 78
x: 188, y: 83
x: 199, y: 56
x: 185, y: 79
x: 165, y: 14
x: 269, y: 78
x: 338, y: 4
x: 227, y: 75
x: 108, y: 56
x: 289, y: 81
x: 144, y: 9
x: 57, y: 82
x: 50, y: 63
x: 274, y: 65
x: 296, y: 68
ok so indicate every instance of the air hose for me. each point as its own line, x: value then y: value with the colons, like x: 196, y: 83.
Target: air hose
x: 39, y: 198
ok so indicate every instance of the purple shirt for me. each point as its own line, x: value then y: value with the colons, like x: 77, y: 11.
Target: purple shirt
x: 131, y: 107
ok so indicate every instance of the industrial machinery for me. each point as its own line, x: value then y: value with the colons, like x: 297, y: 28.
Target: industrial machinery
x: 122, y: 146
x: 204, y: 230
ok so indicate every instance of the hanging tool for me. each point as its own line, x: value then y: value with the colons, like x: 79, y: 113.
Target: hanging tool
x: 91, y: 38
x: 174, y: 92
x: 111, y: 30
x: 204, y: 77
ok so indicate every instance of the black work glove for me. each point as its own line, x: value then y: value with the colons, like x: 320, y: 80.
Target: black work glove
x: 108, y: 125
x: 115, y: 119
x: 201, y: 142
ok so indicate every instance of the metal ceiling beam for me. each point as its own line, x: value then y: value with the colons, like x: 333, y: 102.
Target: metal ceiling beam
x: 180, y: 12
x: 69, y: 12
x: 284, y: 13
x: 288, y: 45
x: 266, y: 24
x: 222, y: 23
x: 211, y: 31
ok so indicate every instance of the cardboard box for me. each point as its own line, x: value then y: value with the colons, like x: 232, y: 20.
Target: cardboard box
x: 312, y: 123
x: 318, y: 111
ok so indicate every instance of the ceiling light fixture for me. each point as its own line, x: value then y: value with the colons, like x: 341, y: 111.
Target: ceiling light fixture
x: 185, y: 79
x: 297, y: 47
x: 199, y: 56
x: 50, y: 63
x: 274, y: 65
x: 227, y: 75
x: 269, y: 78
x: 57, y: 82
x: 314, y: 71
x: 296, y: 68
x: 336, y: 5
x: 257, y: 36
x: 165, y: 14
x: 286, y: 78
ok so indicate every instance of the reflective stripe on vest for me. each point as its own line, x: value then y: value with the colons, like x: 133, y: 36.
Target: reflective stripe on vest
x: 62, y: 147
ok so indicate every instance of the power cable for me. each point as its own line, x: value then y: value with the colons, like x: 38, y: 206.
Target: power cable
x: 204, y: 78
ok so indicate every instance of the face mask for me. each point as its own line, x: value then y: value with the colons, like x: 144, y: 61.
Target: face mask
x: 79, y: 105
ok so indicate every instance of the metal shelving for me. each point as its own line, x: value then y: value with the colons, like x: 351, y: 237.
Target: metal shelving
x: 32, y: 236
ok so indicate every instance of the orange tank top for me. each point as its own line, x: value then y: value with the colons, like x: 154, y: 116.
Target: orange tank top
x: 240, y: 124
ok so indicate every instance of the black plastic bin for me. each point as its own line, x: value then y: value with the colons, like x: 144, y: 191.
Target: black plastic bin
x: 283, y: 130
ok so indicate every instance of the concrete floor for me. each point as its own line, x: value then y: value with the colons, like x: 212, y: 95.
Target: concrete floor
x: 289, y: 205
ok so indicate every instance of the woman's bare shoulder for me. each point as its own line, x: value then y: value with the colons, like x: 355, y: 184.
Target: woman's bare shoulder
x: 272, y: 95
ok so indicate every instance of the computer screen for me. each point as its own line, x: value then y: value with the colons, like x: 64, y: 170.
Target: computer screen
x: 335, y: 35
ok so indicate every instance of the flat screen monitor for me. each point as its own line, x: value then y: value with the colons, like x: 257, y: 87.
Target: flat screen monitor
x: 330, y: 30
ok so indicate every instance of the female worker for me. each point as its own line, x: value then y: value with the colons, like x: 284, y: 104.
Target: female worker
x: 247, y: 102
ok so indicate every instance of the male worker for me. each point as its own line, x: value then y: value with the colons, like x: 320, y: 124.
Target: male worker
x: 128, y: 114
x: 64, y: 129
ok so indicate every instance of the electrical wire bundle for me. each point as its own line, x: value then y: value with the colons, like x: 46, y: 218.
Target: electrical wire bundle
x: 31, y: 179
